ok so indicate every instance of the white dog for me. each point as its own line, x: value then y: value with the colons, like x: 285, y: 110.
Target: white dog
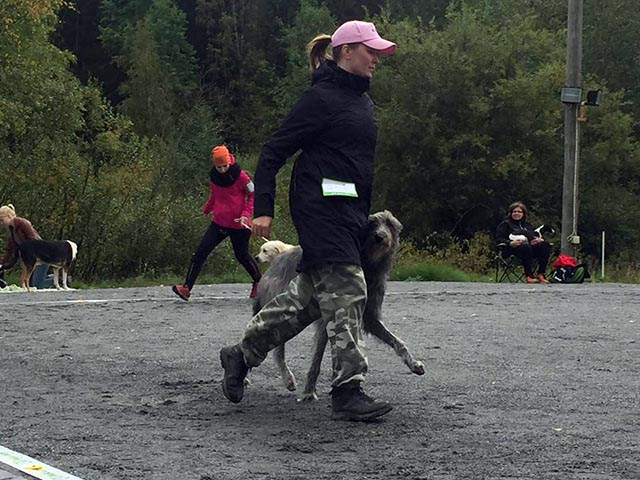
x: 538, y: 232
x: 522, y: 238
x: 271, y: 249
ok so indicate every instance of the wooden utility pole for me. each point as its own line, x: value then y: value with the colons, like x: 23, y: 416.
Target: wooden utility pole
x: 570, y: 238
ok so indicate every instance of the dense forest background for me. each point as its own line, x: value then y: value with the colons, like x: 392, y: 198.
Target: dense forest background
x: 108, y: 109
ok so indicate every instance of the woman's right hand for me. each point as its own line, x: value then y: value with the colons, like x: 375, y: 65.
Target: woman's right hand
x: 261, y: 226
x: 515, y: 243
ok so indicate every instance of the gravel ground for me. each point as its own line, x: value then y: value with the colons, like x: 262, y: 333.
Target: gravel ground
x: 523, y: 381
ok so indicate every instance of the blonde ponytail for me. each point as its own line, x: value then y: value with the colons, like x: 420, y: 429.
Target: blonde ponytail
x: 318, y: 50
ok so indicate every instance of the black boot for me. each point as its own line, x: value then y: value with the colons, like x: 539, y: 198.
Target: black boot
x: 2, y: 283
x: 235, y: 371
x: 349, y: 402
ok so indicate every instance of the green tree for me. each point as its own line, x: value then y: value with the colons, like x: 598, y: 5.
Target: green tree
x: 148, y: 99
x: 161, y: 92
x: 457, y: 108
x: 77, y: 169
x: 310, y: 20
x: 238, y: 73
x: 118, y: 22
x: 151, y: 46
x: 39, y: 107
x: 612, y: 48
x: 610, y: 180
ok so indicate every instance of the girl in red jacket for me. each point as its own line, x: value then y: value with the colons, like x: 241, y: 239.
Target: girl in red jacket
x: 230, y: 203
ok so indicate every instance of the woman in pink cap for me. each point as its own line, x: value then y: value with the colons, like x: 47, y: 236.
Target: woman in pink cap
x: 333, y: 126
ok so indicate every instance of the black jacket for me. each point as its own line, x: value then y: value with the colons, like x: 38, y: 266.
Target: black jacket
x: 510, y: 226
x: 333, y: 125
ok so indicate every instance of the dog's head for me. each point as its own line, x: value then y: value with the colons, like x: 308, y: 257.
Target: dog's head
x: 270, y: 250
x: 382, y: 236
x: 544, y: 229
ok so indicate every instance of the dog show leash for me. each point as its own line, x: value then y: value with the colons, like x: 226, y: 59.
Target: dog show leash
x: 249, y: 228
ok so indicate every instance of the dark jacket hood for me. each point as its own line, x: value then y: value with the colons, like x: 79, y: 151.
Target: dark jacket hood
x: 329, y: 71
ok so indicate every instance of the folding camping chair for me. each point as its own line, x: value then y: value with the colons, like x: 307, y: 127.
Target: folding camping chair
x: 508, y: 269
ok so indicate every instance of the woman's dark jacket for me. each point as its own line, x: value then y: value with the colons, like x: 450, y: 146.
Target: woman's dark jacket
x: 333, y: 125
x: 510, y: 226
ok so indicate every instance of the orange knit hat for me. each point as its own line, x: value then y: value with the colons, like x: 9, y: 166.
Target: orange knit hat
x: 220, y: 155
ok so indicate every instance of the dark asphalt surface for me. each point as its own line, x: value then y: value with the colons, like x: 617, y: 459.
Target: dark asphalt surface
x: 522, y: 382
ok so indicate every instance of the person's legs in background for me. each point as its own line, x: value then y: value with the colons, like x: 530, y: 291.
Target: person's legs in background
x: 524, y: 253
x: 39, y: 275
x: 240, y: 243
x: 3, y: 283
x: 212, y: 237
x: 541, y: 251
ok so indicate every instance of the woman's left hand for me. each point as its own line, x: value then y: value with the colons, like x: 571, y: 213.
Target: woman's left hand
x: 536, y: 240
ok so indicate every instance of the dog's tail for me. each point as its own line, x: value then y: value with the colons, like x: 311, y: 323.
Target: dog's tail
x: 74, y: 249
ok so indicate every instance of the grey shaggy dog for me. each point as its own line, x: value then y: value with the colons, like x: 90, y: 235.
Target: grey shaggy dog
x: 380, y: 247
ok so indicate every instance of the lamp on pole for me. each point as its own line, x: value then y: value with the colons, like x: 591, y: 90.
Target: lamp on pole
x: 571, y: 97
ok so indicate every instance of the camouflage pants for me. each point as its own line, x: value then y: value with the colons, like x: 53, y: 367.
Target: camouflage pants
x: 337, y: 293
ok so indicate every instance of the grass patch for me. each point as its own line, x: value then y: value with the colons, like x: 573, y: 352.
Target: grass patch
x: 411, y: 268
x: 418, y: 271
x: 433, y: 272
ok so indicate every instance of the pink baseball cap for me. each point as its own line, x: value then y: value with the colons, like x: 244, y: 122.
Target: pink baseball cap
x: 356, y: 31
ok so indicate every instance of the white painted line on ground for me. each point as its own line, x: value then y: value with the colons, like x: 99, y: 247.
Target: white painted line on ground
x: 416, y: 294
x: 123, y: 300
x: 166, y: 299
x: 33, y: 467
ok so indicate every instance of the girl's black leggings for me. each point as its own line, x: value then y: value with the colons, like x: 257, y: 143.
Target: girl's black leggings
x: 211, y: 239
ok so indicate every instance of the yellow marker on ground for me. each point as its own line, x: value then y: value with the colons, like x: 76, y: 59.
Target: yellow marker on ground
x: 32, y: 467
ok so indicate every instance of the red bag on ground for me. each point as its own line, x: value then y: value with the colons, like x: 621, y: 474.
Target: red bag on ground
x: 564, y: 261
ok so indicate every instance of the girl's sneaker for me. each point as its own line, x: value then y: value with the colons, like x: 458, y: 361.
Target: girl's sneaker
x: 182, y: 291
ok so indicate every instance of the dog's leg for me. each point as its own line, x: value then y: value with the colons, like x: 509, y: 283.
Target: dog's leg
x: 320, y: 344
x: 25, y: 276
x: 65, y: 275
x: 377, y: 328
x: 56, y: 277
x: 287, y: 375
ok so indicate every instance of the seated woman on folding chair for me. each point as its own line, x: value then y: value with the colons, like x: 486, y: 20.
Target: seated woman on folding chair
x: 517, y: 237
